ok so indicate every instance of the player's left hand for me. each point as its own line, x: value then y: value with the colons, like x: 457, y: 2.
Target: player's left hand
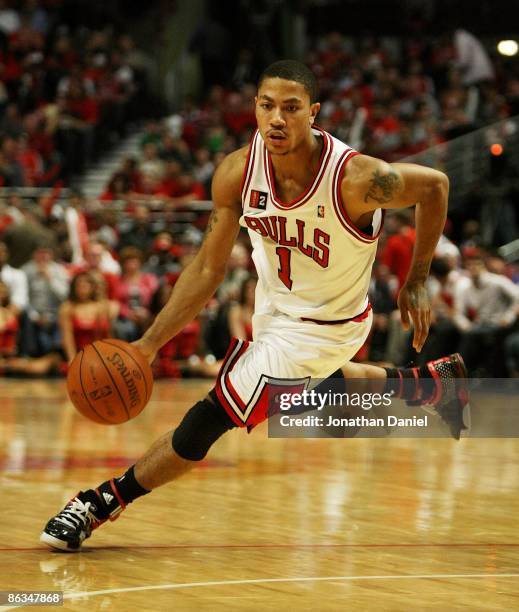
x: 413, y: 302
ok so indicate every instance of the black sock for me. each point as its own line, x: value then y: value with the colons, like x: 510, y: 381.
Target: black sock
x: 411, y: 384
x: 128, y: 487
x: 112, y: 496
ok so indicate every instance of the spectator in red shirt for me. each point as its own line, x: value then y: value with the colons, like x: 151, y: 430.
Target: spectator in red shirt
x: 174, y: 356
x: 239, y: 114
x: 118, y: 188
x: 134, y: 291
x: 31, y: 162
x: 398, y: 250
x: 129, y: 168
x: 170, y: 184
x: 93, y: 264
x: 188, y: 189
x: 77, y: 118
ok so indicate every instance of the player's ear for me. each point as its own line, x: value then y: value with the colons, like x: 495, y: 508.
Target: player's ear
x: 314, y: 109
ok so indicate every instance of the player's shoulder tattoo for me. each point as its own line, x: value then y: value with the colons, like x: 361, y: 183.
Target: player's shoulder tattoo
x: 383, y: 186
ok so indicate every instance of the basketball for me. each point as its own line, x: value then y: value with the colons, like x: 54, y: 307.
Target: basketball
x: 109, y: 381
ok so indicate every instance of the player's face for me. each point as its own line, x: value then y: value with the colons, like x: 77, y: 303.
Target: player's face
x: 284, y: 114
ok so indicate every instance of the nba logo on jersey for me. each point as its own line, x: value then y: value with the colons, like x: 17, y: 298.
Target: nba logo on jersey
x: 320, y: 211
x: 258, y: 199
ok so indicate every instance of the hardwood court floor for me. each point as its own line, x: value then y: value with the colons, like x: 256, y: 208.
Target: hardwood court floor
x: 264, y: 524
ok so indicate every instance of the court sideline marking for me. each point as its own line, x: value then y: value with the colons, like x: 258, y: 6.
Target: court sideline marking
x: 186, y: 585
x: 130, y: 547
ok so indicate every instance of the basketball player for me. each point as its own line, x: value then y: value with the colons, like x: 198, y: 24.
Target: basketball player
x: 314, y: 209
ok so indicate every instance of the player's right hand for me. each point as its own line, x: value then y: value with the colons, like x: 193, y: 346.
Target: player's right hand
x: 413, y: 302
x: 146, y: 348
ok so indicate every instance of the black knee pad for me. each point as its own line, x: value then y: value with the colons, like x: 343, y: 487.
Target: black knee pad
x: 201, y: 426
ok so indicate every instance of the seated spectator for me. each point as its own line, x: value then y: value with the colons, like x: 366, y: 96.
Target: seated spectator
x: 10, y: 363
x: 239, y: 114
x: 382, y: 295
x: 228, y: 320
x: 443, y: 285
x: 164, y: 260
x: 217, y: 327
x: 31, y: 163
x: 170, y: 185
x: 8, y: 325
x: 496, y: 199
x: 104, y: 220
x: 118, y: 188
x: 188, y: 189
x: 48, y: 287
x: 11, y: 170
x: 98, y: 263
x: 14, y: 208
x: 485, y: 310
x: 237, y: 272
x: 129, y: 169
x: 385, y: 128
x: 78, y: 115
x: 86, y: 316
x: 134, y: 291
x: 398, y: 250
x: 240, y: 312
x: 11, y: 123
x: 172, y: 149
x: 151, y: 165
x: 137, y: 230
x: 40, y: 140
x: 173, y: 359
x: 15, y: 281
x: 204, y: 168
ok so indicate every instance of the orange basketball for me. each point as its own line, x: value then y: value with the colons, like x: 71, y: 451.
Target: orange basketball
x: 109, y: 381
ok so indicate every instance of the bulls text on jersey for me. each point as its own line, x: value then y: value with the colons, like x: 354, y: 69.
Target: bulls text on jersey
x: 281, y: 230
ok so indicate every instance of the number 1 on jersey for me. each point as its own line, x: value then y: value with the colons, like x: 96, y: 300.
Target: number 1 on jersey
x: 284, y: 270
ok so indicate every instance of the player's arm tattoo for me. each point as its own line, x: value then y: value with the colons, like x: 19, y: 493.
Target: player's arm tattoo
x: 419, y: 272
x: 382, y: 187
x: 213, y: 219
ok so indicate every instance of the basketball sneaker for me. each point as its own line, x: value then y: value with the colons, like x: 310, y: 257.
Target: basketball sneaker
x: 450, y: 393
x: 69, y: 528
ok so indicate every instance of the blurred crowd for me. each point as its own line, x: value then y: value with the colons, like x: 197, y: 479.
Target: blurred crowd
x: 65, y: 94
x: 72, y: 272
x: 51, y: 308
x: 474, y: 295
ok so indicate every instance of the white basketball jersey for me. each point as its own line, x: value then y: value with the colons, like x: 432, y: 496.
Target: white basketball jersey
x: 312, y: 262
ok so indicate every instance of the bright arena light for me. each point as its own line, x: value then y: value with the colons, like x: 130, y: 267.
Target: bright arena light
x: 507, y: 47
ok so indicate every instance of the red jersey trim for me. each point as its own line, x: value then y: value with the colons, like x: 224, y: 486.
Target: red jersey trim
x: 227, y: 381
x: 326, y: 154
x: 226, y: 393
x: 340, y: 207
x: 249, y: 167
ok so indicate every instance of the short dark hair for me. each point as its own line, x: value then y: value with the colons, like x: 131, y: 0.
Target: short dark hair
x: 291, y: 70
x: 440, y: 267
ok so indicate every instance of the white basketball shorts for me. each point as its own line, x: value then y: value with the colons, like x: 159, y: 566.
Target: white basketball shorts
x: 285, y: 352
